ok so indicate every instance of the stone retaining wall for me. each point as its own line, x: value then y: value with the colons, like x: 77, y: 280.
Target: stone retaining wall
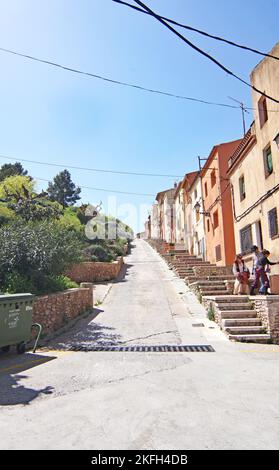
x: 212, y: 270
x: 95, y: 272
x: 267, y: 308
x: 55, y: 310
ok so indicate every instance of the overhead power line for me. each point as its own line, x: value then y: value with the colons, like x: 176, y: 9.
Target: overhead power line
x: 205, y: 54
x: 117, y: 82
x: 199, y: 31
x: 98, y: 170
x: 113, y: 191
x: 125, y: 84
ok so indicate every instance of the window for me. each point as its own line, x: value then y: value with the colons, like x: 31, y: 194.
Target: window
x: 273, y: 223
x: 215, y: 219
x: 213, y: 178
x: 262, y: 110
x: 246, y: 239
x: 268, y: 163
x: 208, y: 225
x: 242, y: 188
x: 198, y: 216
x: 218, y: 253
x: 205, y: 190
x: 196, y: 194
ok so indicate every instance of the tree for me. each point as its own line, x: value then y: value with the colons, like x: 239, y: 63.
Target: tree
x: 63, y: 190
x: 12, y: 169
x: 15, y: 187
x: 19, y: 195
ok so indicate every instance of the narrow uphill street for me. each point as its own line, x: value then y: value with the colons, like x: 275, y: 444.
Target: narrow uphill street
x: 58, y: 397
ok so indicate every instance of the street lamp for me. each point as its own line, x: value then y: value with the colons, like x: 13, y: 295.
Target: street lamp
x: 197, y: 208
x: 276, y: 140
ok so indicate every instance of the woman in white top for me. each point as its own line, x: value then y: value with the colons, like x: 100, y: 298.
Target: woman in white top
x: 242, y: 274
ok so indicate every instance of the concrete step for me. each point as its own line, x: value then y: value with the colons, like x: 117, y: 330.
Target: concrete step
x: 230, y: 314
x: 253, y: 338
x: 209, y: 278
x: 243, y: 306
x: 234, y: 299
x: 206, y: 293
x: 245, y: 330
x: 207, y: 283
x: 228, y: 322
x: 191, y: 265
x: 184, y: 270
x: 215, y: 287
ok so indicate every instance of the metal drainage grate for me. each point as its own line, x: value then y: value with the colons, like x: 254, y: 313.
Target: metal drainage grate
x: 159, y: 348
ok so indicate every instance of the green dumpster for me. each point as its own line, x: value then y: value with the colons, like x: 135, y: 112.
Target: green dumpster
x: 16, y: 321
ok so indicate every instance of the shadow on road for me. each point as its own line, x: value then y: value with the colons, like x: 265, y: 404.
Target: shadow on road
x: 123, y: 273
x: 11, y: 391
x: 87, y: 332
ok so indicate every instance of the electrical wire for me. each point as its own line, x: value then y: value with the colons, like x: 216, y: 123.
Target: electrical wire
x: 126, y: 84
x: 205, y: 54
x: 118, y: 82
x: 104, y: 189
x: 199, y: 31
x: 98, y: 170
x: 265, y: 196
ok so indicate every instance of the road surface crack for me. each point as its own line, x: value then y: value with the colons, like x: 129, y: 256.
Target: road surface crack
x: 149, y: 336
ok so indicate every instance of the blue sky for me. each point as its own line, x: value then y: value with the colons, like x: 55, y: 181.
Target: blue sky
x: 51, y: 115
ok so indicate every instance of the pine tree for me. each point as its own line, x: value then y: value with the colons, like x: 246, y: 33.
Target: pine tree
x: 63, y: 190
x: 12, y: 169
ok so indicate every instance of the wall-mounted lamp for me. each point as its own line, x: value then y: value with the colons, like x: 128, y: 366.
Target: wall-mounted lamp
x: 197, y: 208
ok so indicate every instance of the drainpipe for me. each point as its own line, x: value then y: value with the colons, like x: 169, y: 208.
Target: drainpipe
x: 203, y: 210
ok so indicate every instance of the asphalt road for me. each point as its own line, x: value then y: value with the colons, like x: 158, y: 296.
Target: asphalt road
x: 60, y: 399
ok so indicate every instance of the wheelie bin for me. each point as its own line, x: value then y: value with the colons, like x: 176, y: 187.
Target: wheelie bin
x: 16, y: 321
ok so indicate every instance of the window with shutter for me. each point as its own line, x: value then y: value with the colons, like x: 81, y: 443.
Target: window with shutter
x: 218, y: 254
x: 262, y: 107
x: 246, y: 240
x: 242, y: 188
x: 268, y: 163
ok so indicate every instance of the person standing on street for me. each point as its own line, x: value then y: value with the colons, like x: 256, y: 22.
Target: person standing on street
x: 262, y: 266
x: 255, y: 272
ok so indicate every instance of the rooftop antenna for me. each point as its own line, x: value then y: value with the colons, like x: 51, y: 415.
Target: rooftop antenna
x: 243, y: 111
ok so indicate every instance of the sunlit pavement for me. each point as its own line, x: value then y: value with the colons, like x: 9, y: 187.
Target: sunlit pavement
x: 60, y: 399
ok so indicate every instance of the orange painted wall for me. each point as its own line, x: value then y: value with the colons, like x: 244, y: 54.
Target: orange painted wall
x: 223, y: 235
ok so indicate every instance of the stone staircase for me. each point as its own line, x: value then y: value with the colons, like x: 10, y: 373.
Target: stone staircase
x: 237, y: 318
x: 185, y: 264
x: 213, y: 284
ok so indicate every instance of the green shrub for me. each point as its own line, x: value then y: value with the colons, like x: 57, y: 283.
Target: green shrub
x: 98, y: 253
x: 6, y: 214
x: 35, y: 251
x: 49, y: 284
x: 16, y: 283
x: 70, y: 220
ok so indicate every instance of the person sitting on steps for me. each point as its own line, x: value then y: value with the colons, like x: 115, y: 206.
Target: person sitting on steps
x: 242, y: 274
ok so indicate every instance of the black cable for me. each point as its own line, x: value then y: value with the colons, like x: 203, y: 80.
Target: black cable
x: 117, y: 82
x: 208, y: 56
x: 204, y: 33
x: 105, y: 190
x: 265, y: 196
x: 90, y: 169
